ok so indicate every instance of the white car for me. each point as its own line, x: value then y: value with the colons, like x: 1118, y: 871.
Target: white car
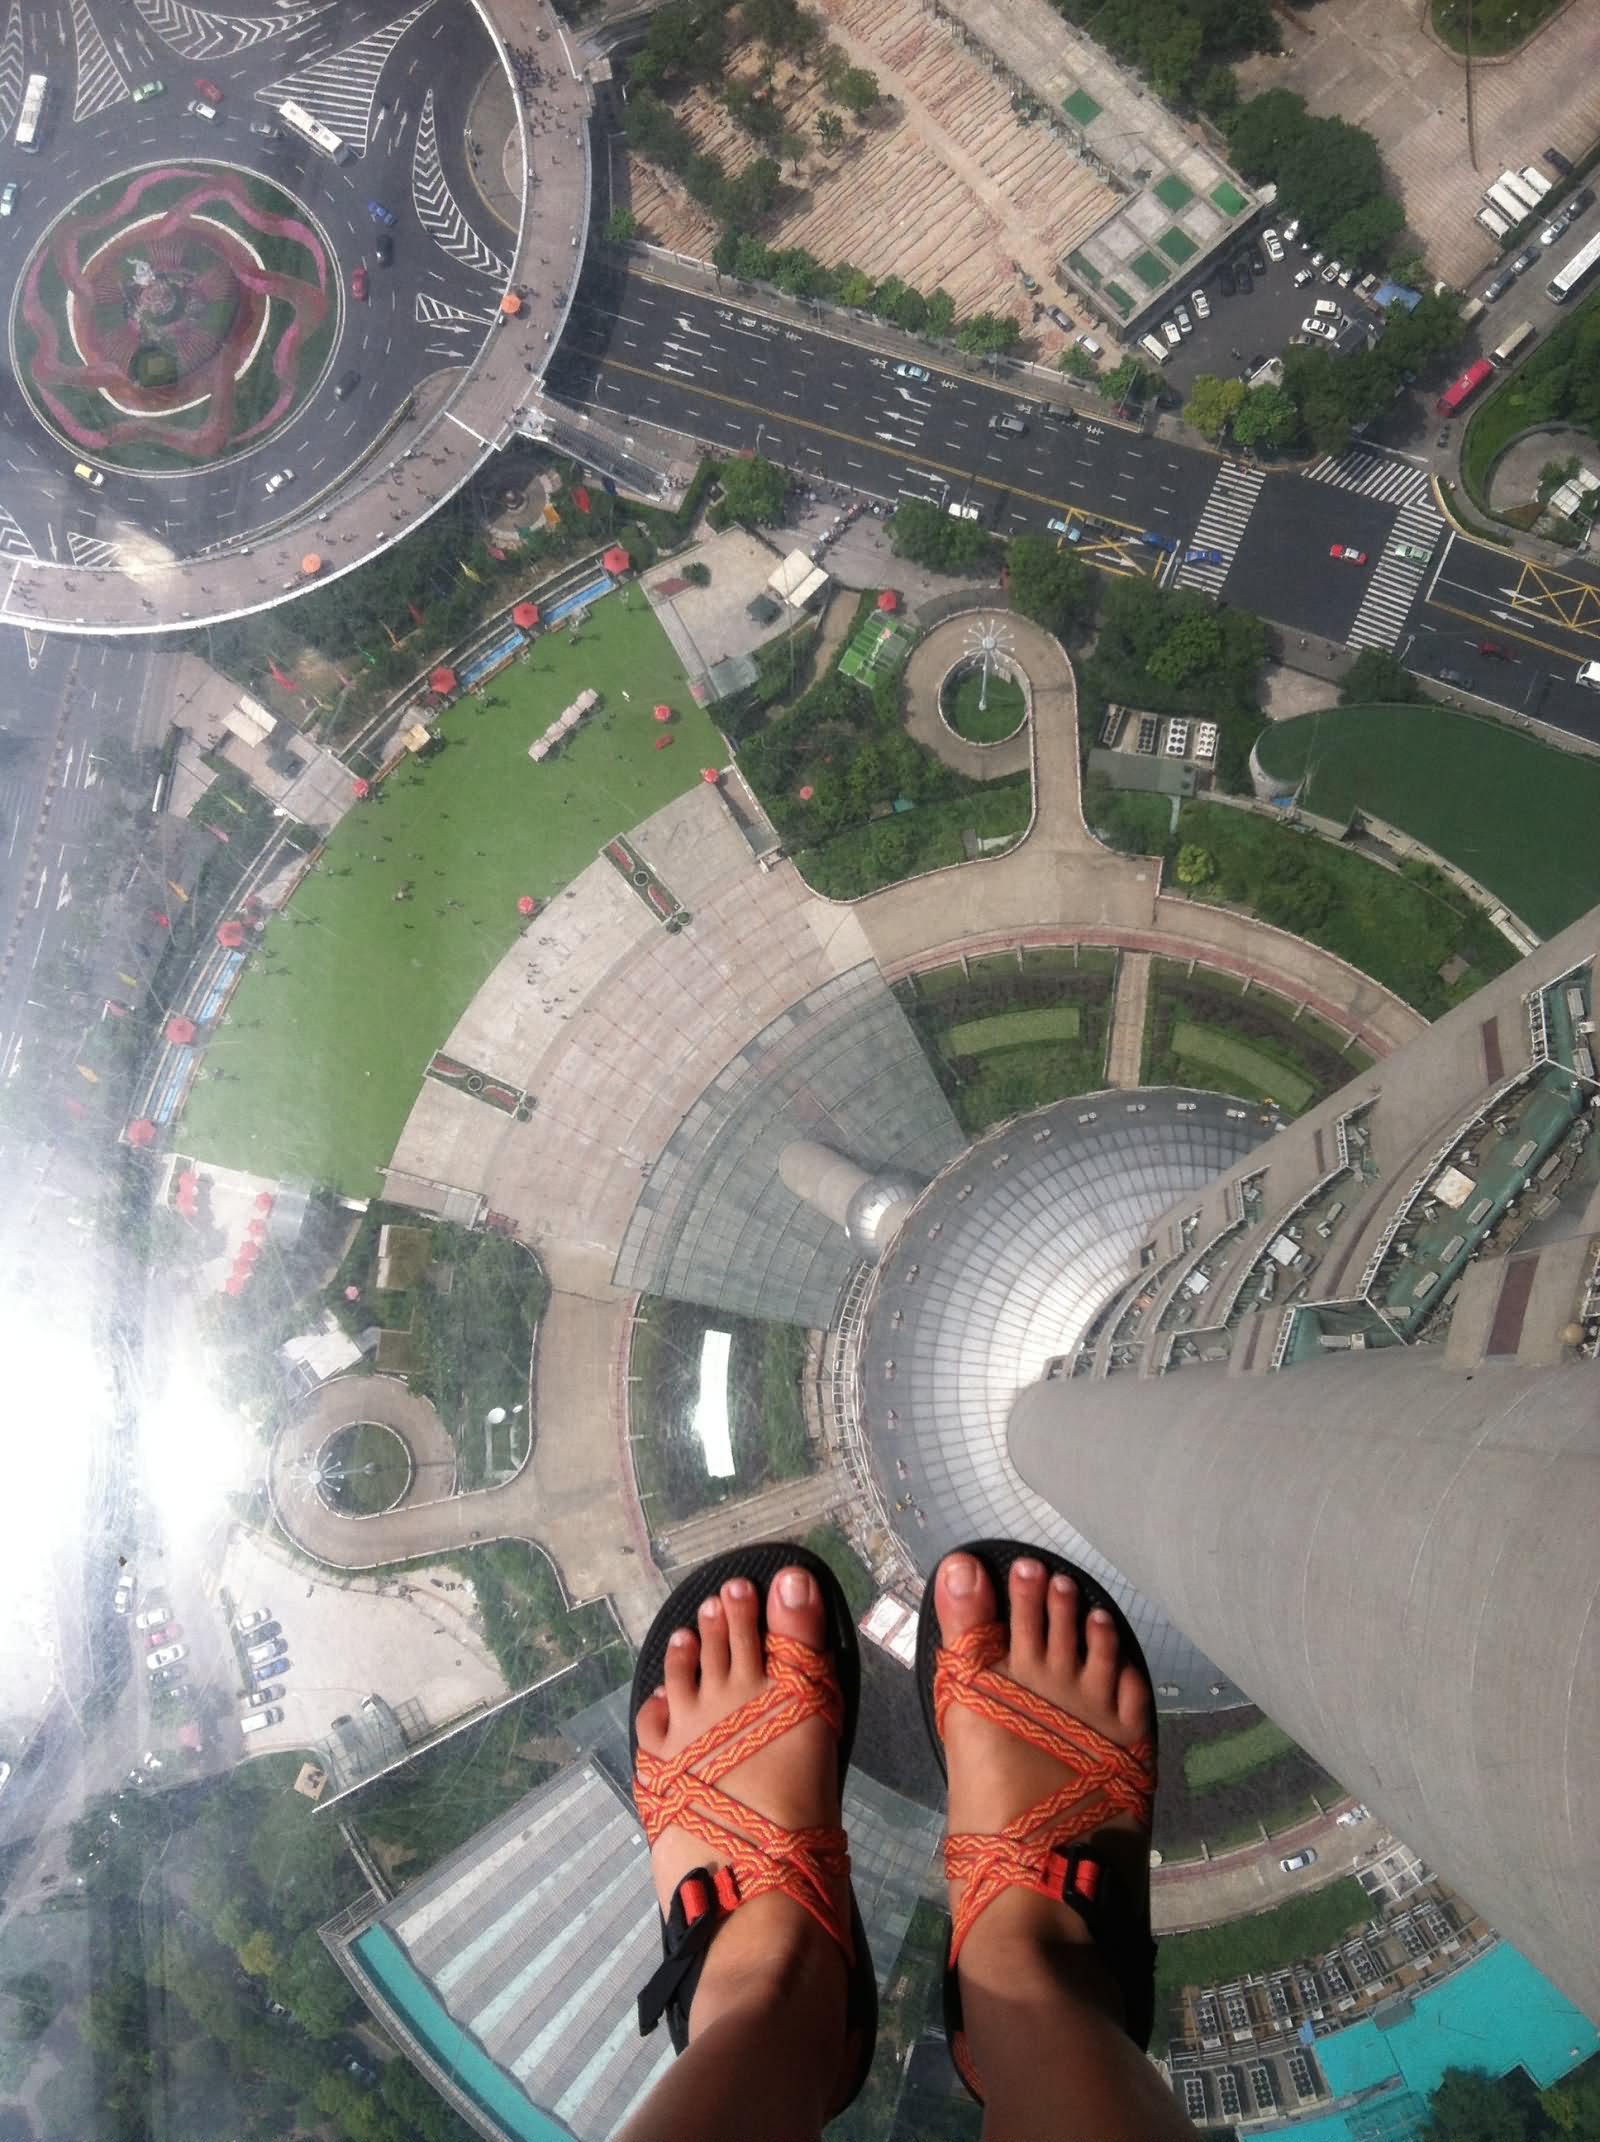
x: 122, y: 1597
x: 277, y: 482
x: 168, y: 1655
x: 1324, y: 330
x: 1181, y: 314
x: 1302, y: 276
x: 1058, y: 527
x: 1346, y: 278
x: 1201, y: 304
x: 152, y: 1617
x: 5, y: 1776
x: 1290, y: 231
x: 1273, y: 244
x: 1297, y: 1862
x: 1169, y: 329
x: 8, y: 198
x: 252, y: 1620
x: 911, y: 371
x: 1351, y: 1816
x: 1330, y: 271
x: 202, y: 110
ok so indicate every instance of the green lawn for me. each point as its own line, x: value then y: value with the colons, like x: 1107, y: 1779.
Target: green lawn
x: 1258, y: 1075
x: 1234, y: 1755
x: 1218, y: 1954
x: 375, y: 1465
x: 478, y: 824
x: 1518, y: 814
x: 1005, y: 1030
x: 1001, y: 716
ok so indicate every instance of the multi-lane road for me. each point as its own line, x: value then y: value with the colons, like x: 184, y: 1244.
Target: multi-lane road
x: 734, y: 375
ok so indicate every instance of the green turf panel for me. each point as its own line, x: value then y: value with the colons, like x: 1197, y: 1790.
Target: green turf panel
x: 1119, y: 297
x: 1081, y: 106
x: 1228, y: 198
x: 1007, y: 1030
x: 1177, y: 245
x: 1172, y: 193
x: 1153, y: 273
x: 377, y: 984
x: 1086, y: 268
x: 1258, y: 1073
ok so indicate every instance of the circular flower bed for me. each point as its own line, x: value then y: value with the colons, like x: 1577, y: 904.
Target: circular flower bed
x: 983, y: 711
x: 174, y: 317
x: 365, y: 1468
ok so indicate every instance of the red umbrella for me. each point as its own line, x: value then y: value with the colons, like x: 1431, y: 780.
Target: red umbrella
x: 256, y: 1229
x: 248, y: 1253
x: 188, y: 1180
x: 807, y: 793
x: 180, y: 1032
x: 230, y: 935
x: 663, y: 713
x: 526, y: 904
x: 710, y: 776
x: 265, y: 1201
x: 888, y: 599
x: 143, y: 1132
x: 360, y: 789
x: 234, y: 1283
x: 442, y: 681
x: 616, y: 560
x: 526, y: 614
x: 663, y: 741
x: 352, y: 1294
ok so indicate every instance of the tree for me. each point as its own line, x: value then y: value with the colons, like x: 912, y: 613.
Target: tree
x: 1051, y: 586
x: 1266, y: 417
x: 1127, y: 381
x: 756, y: 187
x: 1078, y: 364
x: 856, y: 88
x: 754, y: 489
x: 30, y: 2003
x: 1470, y: 2106
x: 1216, y: 93
x: 257, y: 1955
x: 1212, y: 403
x: 1363, y: 234
x: 1192, y: 647
x: 989, y: 333
x: 622, y: 225
x: 830, y: 130
x: 928, y: 537
x: 941, y: 315
x: 781, y: 25
x: 1196, y: 865
x: 1376, y: 679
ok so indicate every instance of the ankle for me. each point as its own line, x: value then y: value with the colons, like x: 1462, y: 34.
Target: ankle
x: 771, y: 1955
x: 1035, y: 1952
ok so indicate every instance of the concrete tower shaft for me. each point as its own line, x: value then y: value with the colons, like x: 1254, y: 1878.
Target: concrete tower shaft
x: 1397, y: 1559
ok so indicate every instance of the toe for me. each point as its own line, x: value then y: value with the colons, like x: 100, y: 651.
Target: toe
x: 1026, y: 1587
x: 1061, y: 1641
x: 713, y: 1643
x: 962, y: 1595
x: 650, y: 1727
x: 1101, y: 1660
x: 794, y: 1606
x: 681, y: 1672
x: 744, y: 1633
x: 1133, y: 1700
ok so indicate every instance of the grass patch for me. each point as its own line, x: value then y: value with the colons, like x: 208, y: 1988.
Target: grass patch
x: 863, y: 858
x: 1256, y: 1074
x: 1004, y: 1030
x: 375, y: 1467
x: 472, y: 829
x: 1498, y: 26
x: 525, y: 1623
x: 1005, y: 1036
x: 1271, y: 1939
x: 1542, y: 391
x: 1216, y: 1762
x: 1518, y: 814
x: 1003, y: 716
x: 783, y: 1422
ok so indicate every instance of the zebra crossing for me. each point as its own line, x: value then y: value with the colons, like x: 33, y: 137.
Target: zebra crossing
x: 453, y: 319
x: 1221, y: 525
x: 100, y: 83
x: 438, y: 210
x: 93, y: 553
x: 194, y: 33
x: 13, y: 542
x: 1374, y: 475
x: 341, y: 88
x: 11, y: 68
x: 1395, y: 581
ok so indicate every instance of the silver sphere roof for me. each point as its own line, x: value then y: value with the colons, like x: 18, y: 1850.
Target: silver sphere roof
x: 1003, y: 1264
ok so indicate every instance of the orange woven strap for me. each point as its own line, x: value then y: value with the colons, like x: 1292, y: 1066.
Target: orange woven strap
x: 1103, y: 1779
x: 764, y: 1856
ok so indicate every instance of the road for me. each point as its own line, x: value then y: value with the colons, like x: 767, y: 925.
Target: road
x: 742, y: 378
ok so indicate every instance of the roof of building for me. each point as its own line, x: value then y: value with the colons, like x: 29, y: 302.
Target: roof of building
x: 797, y: 579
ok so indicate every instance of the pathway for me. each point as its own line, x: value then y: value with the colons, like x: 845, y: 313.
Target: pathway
x: 1235, y: 1885
x: 1125, y: 1056
x: 784, y: 1510
x: 934, y: 654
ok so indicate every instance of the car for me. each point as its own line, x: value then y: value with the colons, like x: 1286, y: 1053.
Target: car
x: 1323, y: 330
x: 900, y: 371
x: 264, y: 130
x: 1241, y: 269
x: 358, y: 282
x: 1554, y: 229
x: 1058, y: 528
x: 152, y: 1614
x: 1451, y: 676
x: 1317, y: 259
x: 1202, y: 557
x: 259, y: 1698
x: 1258, y: 261
x: 273, y: 1647
x: 1302, y: 276
x: 1011, y: 427
x: 380, y: 214
x: 270, y: 1670
x: 168, y: 1655
x: 1495, y: 291
x: 383, y: 251
x: 1524, y: 260
x: 208, y: 112
x: 208, y: 89
x: 1346, y: 278
x: 1494, y: 649
x: 5, y: 1776
x: 1346, y: 555
x: 1442, y: 438
x: 1579, y: 201
x: 8, y: 197
x: 1181, y: 314
x: 1290, y: 231
x: 1062, y: 319
x: 359, y: 2069
x: 1589, y: 674
x: 1330, y: 271
x: 94, y: 478
x: 122, y: 1597
x: 1170, y: 329
x: 1273, y: 244
x: 1351, y: 1816
x: 163, y: 1633
x: 1414, y: 553
x: 149, y: 89
x: 1297, y: 1862
x: 244, y: 1623
x: 1557, y: 162
x: 1226, y: 281
x: 1201, y: 304
x: 347, y: 385
x: 275, y: 482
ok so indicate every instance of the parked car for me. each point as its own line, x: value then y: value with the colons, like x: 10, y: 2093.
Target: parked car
x: 244, y: 1623
x: 1290, y: 231
x: 273, y: 1648
x: 1525, y: 260
x: 1351, y: 1816
x: 258, y: 1721
x: 348, y: 383
x: 1062, y: 319
x: 165, y: 1632
x: 1451, y: 676
x: 1324, y: 330
x: 259, y: 1698
x: 1495, y: 291
x: 1297, y: 1862
x: 201, y: 110
x: 208, y: 89
x: 1241, y: 270
x: 269, y: 1670
x: 1181, y: 315
x: 1346, y: 277
x: 358, y: 282
x: 1331, y: 270
x: 1579, y: 201
x: 1273, y: 244
x: 1555, y: 228
x: 122, y: 1597
x: 1346, y: 555
x: 380, y: 214
x: 1201, y: 304
x: 1557, y: 162
x: 152, y: 1614
x: 1170, y: 329
x: 1257, y: 259
x: 168, y: 1655
x: 148, y: 89
x: 1302, y: 276
x: 383, y: 249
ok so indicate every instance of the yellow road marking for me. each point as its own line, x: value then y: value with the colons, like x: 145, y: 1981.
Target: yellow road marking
x: 1493, y: 629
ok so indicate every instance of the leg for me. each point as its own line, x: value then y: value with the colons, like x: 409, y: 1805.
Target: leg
x: 767, y: 2052
x: 1043, y: 2016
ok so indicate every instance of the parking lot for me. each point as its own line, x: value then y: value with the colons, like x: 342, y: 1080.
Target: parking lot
x: 1246, y: 329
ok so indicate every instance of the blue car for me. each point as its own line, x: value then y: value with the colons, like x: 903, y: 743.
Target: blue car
x: 378, y: 213
x: 1156, y: 540
x: 1202, y: 557
x: 269, y: 1670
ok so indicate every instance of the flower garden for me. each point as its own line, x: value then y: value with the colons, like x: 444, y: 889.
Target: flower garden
x: 175, y: 317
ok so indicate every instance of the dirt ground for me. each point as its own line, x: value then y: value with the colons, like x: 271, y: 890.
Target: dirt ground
x: 939, y: 186
x: 1371, y: 62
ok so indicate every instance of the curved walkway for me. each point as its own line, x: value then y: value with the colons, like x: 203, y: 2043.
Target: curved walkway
x: 1234, y: 1885
x: 936, y: 653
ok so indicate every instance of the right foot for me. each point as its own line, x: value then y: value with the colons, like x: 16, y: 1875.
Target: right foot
x: 994, y: 1777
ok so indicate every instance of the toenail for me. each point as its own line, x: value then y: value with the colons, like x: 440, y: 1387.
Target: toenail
x: 960, y: 1576
x: 661, y: 1690
x: 1100, y: 1615
x: 1062, y: 1585
x: 711, y: 1608
x: 739, y: 1588
x: 1027, y: 1568
x: 794, y: 1588
x: 680, y: 1637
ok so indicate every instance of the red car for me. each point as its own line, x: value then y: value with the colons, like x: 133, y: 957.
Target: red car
x: 1493, y: 647
x: 168, y: 1633
x: 358, y: 282
x: 1347, y: 556
x: 209, y: 90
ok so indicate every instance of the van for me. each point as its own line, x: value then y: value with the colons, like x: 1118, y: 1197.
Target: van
x: 1325, y: 309
x: 1154, y: 350
x: 960, y: 509
x: 258, y: 1721
x: 1012, y: 426
x: 1089, y: 344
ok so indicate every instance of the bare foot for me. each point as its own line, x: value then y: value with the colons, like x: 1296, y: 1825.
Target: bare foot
x: 995, y: 1777
x: 794, y: 1782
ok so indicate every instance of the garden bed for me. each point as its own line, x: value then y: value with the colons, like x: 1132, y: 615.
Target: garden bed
x: 766, y: 1418
x: 1007, y: 1034
x: 1207, y: 1029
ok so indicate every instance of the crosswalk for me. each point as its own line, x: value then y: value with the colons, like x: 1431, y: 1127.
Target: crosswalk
x: 438, y: 210
x: 195, y: 33
x: 1222, y: 524
x: 1374, y: 475
x: 341, y: 88
x: 1395, y: 581
x: 99, y: 81
x: 14, y: 542
x: 94, y: 553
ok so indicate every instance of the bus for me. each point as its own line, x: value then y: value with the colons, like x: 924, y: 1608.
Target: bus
x: 1495, y: 225
x: 30, y: 120
x: 1517, y: 186
x: 300, y: 121
x: 1534, y: 180
x: 1518, y: 339
x: 1460, y: 391
x: 1509, y: 204
x: 1575, y: 274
